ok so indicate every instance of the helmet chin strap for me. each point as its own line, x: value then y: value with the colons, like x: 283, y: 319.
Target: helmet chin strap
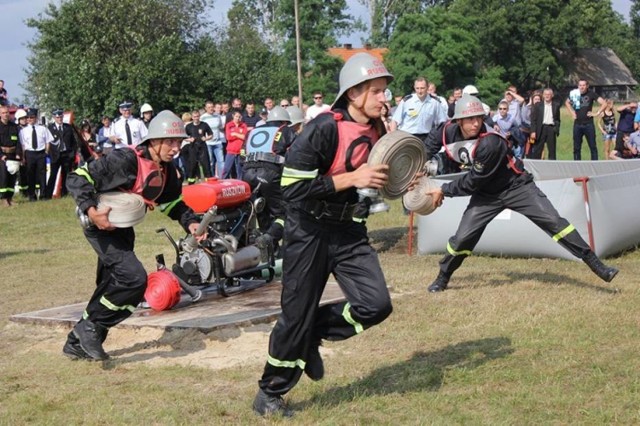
x: 155, y: 153
x: 360, y: 108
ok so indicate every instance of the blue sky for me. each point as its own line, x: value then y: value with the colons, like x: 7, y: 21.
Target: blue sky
x: 14, y: 51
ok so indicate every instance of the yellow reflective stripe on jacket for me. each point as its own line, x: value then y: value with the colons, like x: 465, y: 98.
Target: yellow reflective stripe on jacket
x: 291, y: 176
x: 286, y: 364
x: 280, y: 222
x: 85, y: 315
x: 111, y: 306
x: 566, y: 231
x: 457, y: 253
x: 84, y: 171
x: 347, y: 316
x: 167, y: 207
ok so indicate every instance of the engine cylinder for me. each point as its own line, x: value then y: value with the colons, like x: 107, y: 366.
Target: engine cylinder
x: 245, y: 258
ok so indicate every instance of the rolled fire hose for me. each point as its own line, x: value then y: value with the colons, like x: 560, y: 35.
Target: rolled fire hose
x: 126, y: 209
x: 163, y: 290
x: 417, y: 200
x: 405, y: 156
x: 12, y: 166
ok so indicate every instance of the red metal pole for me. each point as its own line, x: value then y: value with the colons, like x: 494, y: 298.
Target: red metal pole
x: 410, y: 242
x: 587, y: 207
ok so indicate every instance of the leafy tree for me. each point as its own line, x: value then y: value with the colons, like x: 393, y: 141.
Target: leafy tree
x: 384, y: 15
x: 435, y: 45
x: 91, y: 54
x: 321, y: 22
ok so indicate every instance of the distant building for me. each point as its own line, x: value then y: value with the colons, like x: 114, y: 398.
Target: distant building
x: 347, y: 51
x: 607, y: 75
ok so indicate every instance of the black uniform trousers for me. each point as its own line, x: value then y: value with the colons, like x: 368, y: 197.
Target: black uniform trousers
x: 7, y: 182
x: 36, y: 173
x: 267, y: 175
x: 196, y: 155
x: 547, y: 136
x: 121, y: 279
x: 64, y: 163
x: 523, y: 197
x: 313, y: 251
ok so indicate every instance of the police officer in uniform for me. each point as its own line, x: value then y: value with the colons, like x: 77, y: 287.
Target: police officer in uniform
x: 419, y: 112
x: 121, y: 279
x: 36, y: 142
x: 10, y: 150
x: 62, y: 154
x: 321, y: 174
x: 128, y: 131
x: 495, y: 181
x: 265, y: 147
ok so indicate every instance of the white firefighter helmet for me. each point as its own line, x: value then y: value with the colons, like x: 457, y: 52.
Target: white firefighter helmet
x: 278, y: 113
x: 359, y: 68
x: 470, y: 89
x: 166, y: 125
x: 20, y: 113
x: 468, y: 106
x: 145, y: 108
x: 296, y: 115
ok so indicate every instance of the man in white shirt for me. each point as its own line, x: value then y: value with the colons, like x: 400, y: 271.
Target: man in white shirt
x: 35, y: 140
x: 318, y: 106
x: 128, y: 131
x: 214, y: 119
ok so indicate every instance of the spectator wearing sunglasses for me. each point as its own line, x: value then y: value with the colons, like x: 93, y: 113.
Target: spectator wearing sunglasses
x: 318, y: 106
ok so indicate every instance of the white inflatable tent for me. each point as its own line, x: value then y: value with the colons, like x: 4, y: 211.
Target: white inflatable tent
x: 600, y: 198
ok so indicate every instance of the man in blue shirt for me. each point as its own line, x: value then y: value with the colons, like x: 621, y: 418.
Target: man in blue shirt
x: 419, y: 112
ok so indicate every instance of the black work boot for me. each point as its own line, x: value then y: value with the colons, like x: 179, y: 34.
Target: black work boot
x: 607, y: 273
x: 314, y: 367
x: 440, y: 284
x: 91, y: 336
x: 267, y: 405
x: 72, y: 348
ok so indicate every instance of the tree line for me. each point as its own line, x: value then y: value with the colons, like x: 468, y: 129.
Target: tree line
x: 89, y: 55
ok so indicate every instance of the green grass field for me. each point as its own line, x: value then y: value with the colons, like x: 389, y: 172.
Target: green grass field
x: 514, y: 341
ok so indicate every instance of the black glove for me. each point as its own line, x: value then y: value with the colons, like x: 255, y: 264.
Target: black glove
x: 264, y: 241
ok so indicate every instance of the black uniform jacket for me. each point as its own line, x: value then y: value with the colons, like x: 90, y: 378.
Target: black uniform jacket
x: 493, y: 165
x: 314, y: 151
x: 117, y: 171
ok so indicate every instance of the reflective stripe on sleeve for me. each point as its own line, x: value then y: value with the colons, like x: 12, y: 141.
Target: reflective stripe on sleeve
x: 84, y: 171
x: 167, y: 207
x: 348, y: 318
x: 566, y: 231
x: 280, y: 222
x: 286, y: 364
x: 452, y: 252
x: 291, y: 176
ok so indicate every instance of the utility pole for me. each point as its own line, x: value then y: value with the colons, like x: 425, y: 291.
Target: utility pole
x: 298, y: 60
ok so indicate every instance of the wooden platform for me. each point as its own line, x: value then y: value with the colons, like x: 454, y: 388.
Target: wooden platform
x: 210, y: 313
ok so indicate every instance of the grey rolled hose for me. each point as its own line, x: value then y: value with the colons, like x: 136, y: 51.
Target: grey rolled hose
x: 405, y: 156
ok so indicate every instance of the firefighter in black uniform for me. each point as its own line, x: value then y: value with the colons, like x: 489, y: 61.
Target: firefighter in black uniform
x: 121, y: 279
x: 495, y: 181
x: 10, y: 151
x: 62, y: 154
x: 266, y: 147
x: 321, y: 174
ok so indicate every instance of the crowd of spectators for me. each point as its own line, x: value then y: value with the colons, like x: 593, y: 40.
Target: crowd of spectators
x: 217, y: 131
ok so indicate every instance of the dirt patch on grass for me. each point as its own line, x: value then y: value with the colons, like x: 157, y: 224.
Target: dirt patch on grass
x: 230, y: 347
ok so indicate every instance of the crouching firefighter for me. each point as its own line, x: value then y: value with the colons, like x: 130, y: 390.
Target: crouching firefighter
x: 495, y: 181
x: 121, y: 279
x: 322, y: 172
x: 265, y: 147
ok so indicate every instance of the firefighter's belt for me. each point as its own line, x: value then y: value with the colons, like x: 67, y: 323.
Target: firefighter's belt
x: 8, y: 149
x: 267, y: 157
x: 321, y: 209
x: 404, y: 154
